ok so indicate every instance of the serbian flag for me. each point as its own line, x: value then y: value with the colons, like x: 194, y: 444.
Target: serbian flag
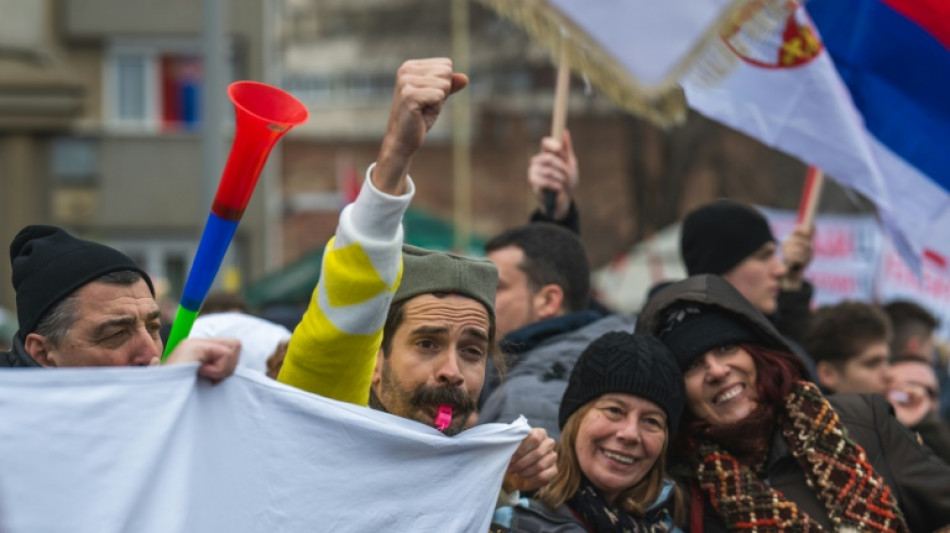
x: 857, y: 88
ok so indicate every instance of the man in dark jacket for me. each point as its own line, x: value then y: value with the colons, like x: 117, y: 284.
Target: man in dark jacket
x: 544, y: 318
x: 81, y: 303
x: 734, y: 241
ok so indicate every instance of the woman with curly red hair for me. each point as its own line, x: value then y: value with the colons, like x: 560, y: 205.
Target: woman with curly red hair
x: 763, y: 450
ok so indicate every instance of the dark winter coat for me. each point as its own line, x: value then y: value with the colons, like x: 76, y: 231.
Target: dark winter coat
x: 539, y: 368
x: 17, y: 356
x: 531, y: 516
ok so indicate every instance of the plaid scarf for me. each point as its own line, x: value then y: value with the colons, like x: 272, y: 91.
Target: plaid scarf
x: 835, y: 467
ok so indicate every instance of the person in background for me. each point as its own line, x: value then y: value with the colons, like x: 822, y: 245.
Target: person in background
x: 260, y: 339
x: 913, y: 391
x: 914, y: 336
x: 849, y: 342
x: 762, y: 449
x: 544, y: 320
x: 276, y: 360
x: 224, y: 302
x: 619, y: 411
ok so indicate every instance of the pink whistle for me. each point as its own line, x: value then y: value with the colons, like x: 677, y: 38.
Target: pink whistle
x: 443, y: 418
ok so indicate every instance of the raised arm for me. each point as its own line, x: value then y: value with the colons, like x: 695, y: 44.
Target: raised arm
x: 554, y: 168
x: 794, y: 299
x: 333, y: 350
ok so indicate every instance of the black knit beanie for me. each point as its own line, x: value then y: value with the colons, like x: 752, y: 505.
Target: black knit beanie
x: 631, y: 364
x: 49, y: 264
x: 691, y: 331
x: 720, y: 235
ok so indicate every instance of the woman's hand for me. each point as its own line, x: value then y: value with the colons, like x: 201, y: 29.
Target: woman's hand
x: 534, y: 463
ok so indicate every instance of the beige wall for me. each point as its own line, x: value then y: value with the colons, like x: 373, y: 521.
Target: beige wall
x: 22, y: 200
x: 147, y: 185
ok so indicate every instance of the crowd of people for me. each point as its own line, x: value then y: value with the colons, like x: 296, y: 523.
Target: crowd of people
x: 726, y: 404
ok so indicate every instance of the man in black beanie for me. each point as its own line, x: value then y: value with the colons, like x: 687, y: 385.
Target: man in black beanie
x: 723, y: 237
x: 81, y: 303
x: 735, y: 241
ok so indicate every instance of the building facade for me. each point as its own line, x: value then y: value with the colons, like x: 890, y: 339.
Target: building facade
x: 101, y: 117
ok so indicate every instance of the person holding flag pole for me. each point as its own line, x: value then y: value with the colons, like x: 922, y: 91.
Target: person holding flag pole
x: 722, y: 237
x: 552, y: 173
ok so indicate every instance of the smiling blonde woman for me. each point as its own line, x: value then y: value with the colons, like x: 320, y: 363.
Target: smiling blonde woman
x: 624, y: 395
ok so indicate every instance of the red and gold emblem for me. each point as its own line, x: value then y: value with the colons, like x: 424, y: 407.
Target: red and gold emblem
x: 764, y: 45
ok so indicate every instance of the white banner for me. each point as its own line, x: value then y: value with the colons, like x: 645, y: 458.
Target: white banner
x: 847, y: 251
x: 854, y: 260
x: 155, y: 450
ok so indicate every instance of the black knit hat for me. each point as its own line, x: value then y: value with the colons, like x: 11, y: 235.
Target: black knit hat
x: 720, y: 235
x: 632, y: 364
x: 49, y: 264
x: 693, y: 330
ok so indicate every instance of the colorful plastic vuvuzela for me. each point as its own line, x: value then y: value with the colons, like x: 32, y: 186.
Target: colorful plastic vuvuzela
x: 263, y: 114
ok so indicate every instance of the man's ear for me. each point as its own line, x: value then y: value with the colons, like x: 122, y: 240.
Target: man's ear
x: 39, y: 349
x: 378, y: 371
x: 912, y: 347
x: 548, y: 301
x: 828, y: 375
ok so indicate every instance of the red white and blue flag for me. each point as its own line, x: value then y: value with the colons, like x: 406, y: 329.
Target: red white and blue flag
x: 859, y: 89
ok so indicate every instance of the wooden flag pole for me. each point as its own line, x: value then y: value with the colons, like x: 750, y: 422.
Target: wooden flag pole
x: 561, y: 92
x: 811, y: 195
x: 559, y: 120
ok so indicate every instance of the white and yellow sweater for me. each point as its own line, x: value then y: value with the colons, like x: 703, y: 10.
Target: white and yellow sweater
x: 333, y: 349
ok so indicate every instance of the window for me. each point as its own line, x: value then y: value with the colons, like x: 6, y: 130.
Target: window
x: 131, y: 83
x: 73, y: 160
x: 129, y: 95
x: 155, y: 87
x: 349, y: 87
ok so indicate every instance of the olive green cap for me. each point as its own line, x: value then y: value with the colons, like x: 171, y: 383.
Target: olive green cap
x: 428, y: 271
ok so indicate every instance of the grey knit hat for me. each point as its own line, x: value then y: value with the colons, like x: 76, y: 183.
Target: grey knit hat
x: 427, y: 271
x: 627, y: 363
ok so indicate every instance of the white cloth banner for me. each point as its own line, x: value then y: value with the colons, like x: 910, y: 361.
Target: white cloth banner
x: 156, y: 450
x: 854, y: 260
x: 846, y: 255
